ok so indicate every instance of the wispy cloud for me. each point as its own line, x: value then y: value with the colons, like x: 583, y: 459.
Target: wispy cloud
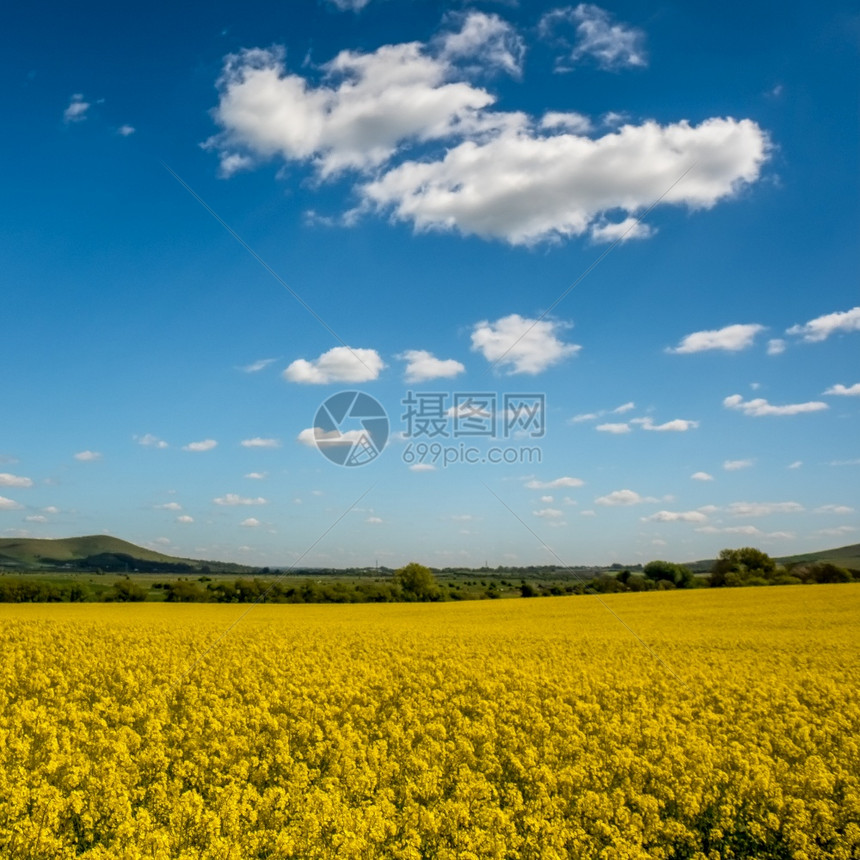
x: 77, y: 109
x: 258, y: 442
x: 555, y: 483
x: 735, y: 465
x: 257, y: 366
x: 759, y: 406
x: 150, y: 441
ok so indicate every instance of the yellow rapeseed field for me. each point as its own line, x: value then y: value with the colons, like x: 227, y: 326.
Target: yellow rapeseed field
x: 705, y: 724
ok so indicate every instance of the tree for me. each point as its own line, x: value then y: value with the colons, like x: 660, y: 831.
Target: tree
x: 667, y: 571
x: 417, y: 582
x: 744, y: 566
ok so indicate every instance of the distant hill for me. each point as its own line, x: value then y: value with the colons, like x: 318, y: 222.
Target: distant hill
x: 843, y: 556
x: 98, y: 552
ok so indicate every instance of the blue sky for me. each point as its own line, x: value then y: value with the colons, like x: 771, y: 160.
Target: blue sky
x: 645, y: 214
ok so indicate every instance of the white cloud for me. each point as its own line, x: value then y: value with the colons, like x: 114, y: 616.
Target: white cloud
x: 735, y: 465
x: 572, y: 122
x: 548, y: 513
x: 169, y: 506
x: 422, y: 467
x: 676, y: 517
x: 423, y: 366
x: 205, y: 445
x: 623, y: 231
x: 316, y: 437
x: 585, y: 416
x: 36, y: 518
x: 844, y: 391
x: 88, y: 456
x: 855, y: 462
x: 796, y: 464
x: 7, y: 480
x: 524, y: 188
x: 623, y: 497
x: 9, y: 504
x: 732, y: 338
x: 526, y: 345
x: 232, y: 499
x: 77, y: 109
x: 349, y: 5
x: 730, y: 530
x: 126, y: 130
x: 547, y: 500
x: 759, y: 406
x: 374, y: 520
x: 702, y: 476
x: 775, y: 346
x: 150, y: 441
x: 366, y: 108
x: 624, y: 407
x: 678, y: 425
x: 250, y: 523
x: 763, y: 509
x: 256, y: 476
x: 822, y: 327
x: 257, y: 442
x: 837, y: 532
x: 834, y: 509
x: 185, y: 519
x: 51, y: 509
x: 554, y: 484
x: 339, y: 364
x: 487, y: 40
x: 611, y: 45
x: 257, y: 366
x: 617, y: 428
x: 587, y: 514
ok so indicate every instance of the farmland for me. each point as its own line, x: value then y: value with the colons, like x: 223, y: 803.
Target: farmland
x: 687, y: 724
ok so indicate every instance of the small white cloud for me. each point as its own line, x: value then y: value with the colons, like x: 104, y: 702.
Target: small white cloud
x: 422, y: 467
x: 205, y: 445
x: 624, y: 407
x: 623, y: 497
x: 250, y: 523
x: 339, y: 364
x: 256, y: 476
x: 51, y: 509
x: 88, y: 456
x: 349, y: 5
x: 616, y: 428
x: 169, y: 506
x: 844, y: 391
x: 679, y: 425
x: 77, y: 109
x: 234, y: 162
x: 423, y: 366
x: 822, y: 327
x: 587, y: 514
x: 834, y: 509
x: 732, y: 338
x: 548, y: 514
x: 855, y: 462
x: 487, y: 40
x: 7, y: 480
x: 232, y: 499
x: 374, y: 520
x: 763, y: 509
x: 316, y: 437
x: 257, y: 442
x: 9, y: 504
x: 620, y: 231
x: 257, y: 366
x: 585, y: 416
x: 702, y: 476
x: 36, y: 518
x: 185, y: 519
x: 759, y: 406
x: 676, y: 517
x: 554, y: 484
x: 126, y: 130
x: 796, y: 464
x: 575, y: 123
x: 150, y: 441
x: 752, y: 531
x: 525, y: 345
x: 735, y: 465
x: 547, y: 500
x: 775, y: 346
x: 838, y: 531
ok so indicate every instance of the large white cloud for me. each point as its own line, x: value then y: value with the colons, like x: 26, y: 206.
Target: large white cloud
x: 523, y: 187
x: 732, y: 338
x: 759, y: 406
x: 339, y: 364
x: 822, y: 327
x: 502, y: 174
x: 522, y: 344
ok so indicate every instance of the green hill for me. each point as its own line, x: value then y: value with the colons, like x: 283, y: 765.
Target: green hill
x: 843, y: 556
x: 35, y: 552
